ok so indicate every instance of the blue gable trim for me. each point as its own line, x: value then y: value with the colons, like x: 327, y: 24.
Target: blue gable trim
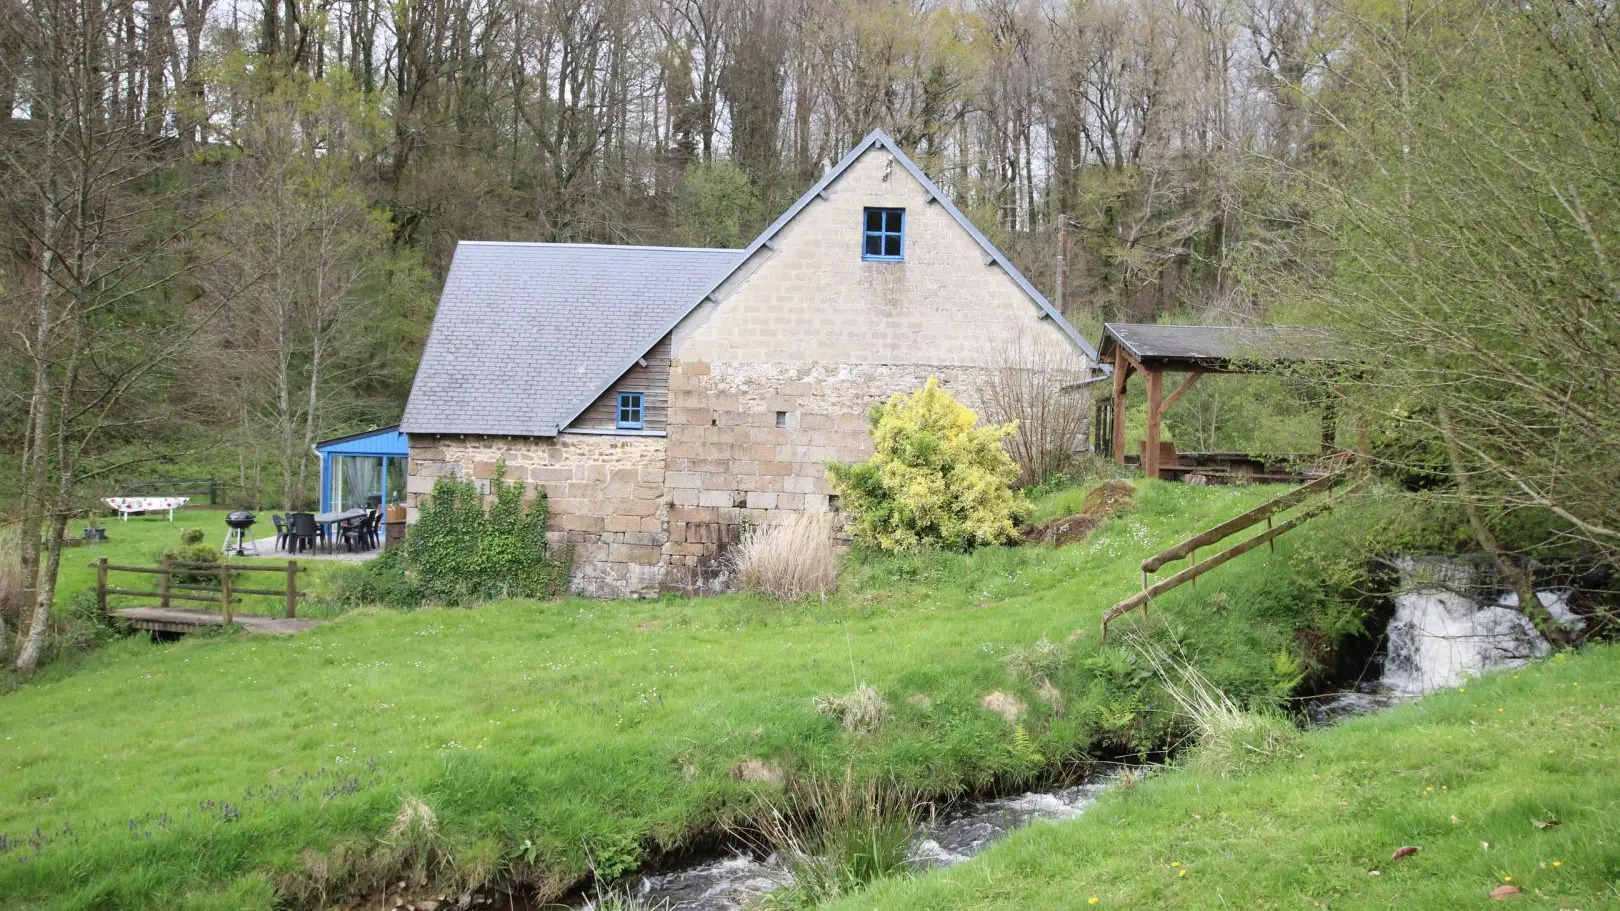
x: 382, y: 441
x: 932, y: 195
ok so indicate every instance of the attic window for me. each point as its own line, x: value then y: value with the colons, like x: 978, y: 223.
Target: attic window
x: 884, y: 235
x: 630, y: 411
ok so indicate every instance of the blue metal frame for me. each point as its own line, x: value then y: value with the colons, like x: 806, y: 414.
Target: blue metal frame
x: 891, y: 225
x: 631, y: 414
x: 386, y: 443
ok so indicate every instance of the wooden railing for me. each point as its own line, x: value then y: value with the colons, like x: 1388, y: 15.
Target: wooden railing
x: 172, y: 487
x: 224, y: 593
x: 1188, y: 549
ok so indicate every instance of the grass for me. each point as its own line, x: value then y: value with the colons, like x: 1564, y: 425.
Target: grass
x: 1508, y: 780
x: 142, y: 541
x: 249, y: 772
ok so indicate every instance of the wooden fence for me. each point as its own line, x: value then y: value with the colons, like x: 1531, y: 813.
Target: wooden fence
x: 223, y: 592
x: 172, y: 487
x: 1188, y: 549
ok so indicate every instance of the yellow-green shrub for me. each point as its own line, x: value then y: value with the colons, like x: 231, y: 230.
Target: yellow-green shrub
x: 937, y: 478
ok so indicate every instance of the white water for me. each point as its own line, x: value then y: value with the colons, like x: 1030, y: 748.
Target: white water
x: 1442, y: 634
x: 738, y: 882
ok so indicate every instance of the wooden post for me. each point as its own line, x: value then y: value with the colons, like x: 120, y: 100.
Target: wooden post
x: 1330, y: 423
x: 1150, y: 455
x: 225, y: 592
x: 1121, y: 374
x: 165, y: 580
x: 292, y: 589
x: 101, y: 585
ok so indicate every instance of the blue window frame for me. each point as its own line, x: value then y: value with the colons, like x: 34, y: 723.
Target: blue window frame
x: 630, y: 411
x: 884, y: 235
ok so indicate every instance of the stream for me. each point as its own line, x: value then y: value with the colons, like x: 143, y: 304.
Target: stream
x: 955, y: 835
x: 1447, y: 626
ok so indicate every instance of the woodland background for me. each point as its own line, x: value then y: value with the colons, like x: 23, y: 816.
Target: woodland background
x: 272, y: 192
x: 223, y: 225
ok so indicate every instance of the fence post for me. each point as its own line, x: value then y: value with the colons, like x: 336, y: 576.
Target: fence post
x: 292, y: 589
x: 101, y: 585
x: 225, y: 591
x: 166, y: 579
x: 213, y: 491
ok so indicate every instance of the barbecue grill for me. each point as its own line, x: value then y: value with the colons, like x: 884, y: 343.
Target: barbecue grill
x: 239, y: 522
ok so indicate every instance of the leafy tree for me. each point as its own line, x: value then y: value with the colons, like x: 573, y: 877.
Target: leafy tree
x: 1467, y: 253
x: 937, y: 478
x: 717, y: 208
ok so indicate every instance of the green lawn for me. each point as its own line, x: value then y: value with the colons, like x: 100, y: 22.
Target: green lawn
x: 196, y: 774
x: 1513, y: 779
x: 142, y: 541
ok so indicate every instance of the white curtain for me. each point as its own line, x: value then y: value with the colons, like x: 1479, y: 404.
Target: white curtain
x: 354, y: 480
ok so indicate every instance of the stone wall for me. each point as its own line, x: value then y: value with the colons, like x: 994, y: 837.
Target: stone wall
x: 775, y: 377
x: 607, y: 497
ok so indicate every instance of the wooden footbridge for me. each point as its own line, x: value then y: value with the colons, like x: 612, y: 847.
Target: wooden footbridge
x: 177, y: 582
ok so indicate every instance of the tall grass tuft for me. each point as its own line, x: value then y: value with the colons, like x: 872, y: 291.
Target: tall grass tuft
x: 1231, y: 742
x: 836, y: 836
x: 790, y: 559
x: 860, y: 712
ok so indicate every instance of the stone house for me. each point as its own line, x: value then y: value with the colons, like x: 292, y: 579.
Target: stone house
x: 665, y: 397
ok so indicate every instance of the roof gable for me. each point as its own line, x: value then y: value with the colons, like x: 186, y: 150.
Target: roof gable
x: 527, y: 332
x: 877, y: 139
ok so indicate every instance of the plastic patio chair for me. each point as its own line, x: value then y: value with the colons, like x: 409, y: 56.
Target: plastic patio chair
x: 304, y: 531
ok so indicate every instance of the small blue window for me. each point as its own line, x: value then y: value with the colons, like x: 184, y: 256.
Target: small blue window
x: 884, y: 237
x: 630, y: 411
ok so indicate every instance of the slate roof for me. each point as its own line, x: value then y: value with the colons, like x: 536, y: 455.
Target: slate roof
x: 526, y: 331
x: 1216, y: 347
x: 527, y: 336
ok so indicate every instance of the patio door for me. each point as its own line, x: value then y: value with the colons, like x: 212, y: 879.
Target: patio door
x: 356, y: 479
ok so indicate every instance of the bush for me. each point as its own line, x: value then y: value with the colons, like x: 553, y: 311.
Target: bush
x: 458, y: 553
x: 195, y: 553
x: 937, y: 478
x: 380, y: 582
x: 78, y: 627
x: 788, y: 560
x: 191, y: 536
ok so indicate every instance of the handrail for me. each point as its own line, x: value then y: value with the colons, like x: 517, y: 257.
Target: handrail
x: 1234, y: 525
x: 1226, y: 529
x: 224, y: 592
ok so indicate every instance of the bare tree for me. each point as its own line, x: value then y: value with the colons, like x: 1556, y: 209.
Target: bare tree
x: 1032, y: 381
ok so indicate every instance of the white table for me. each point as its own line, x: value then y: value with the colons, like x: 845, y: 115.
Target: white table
x: 126, y: 505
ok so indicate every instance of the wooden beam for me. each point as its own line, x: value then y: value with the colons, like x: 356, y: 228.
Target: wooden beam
x: 1236, y: 524
x: 1191, y: 381
x: 1150, y: 453
x: 1141, y: 598
x: 1121, y: 374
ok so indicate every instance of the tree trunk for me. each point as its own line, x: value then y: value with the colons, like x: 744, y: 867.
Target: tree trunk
x: 1516, y: 576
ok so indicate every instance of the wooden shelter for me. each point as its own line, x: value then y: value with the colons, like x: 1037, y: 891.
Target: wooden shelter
x: 1154, y: 350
